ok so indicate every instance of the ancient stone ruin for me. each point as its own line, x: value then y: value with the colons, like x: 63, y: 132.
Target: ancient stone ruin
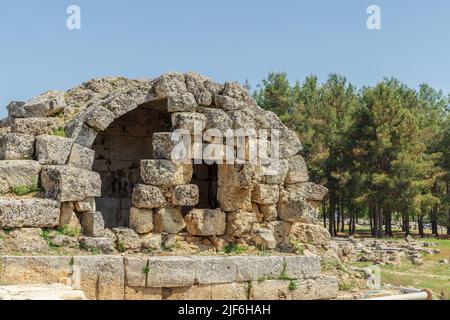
x: 99, y: 159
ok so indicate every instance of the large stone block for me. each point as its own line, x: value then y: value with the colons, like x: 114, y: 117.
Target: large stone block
x: 308, y: 190
x: 46, y: 105
x: 143, y: 294
x: 298, y: 171
x: 185, y: 195
x: 238, y: 175
x: 206, y: 222
x: 310, y: 233
x: 228, y: 103
x: 165, y: 173
x: 53, y: 150
x: 141, y: 220
x: 302, y: 267
x: 34, y: 126
x: 293, y: 207
x: 269, y: 212
x: 265, y: 194
x: 29, y: 213
x: 275, y: 173
x: 211, y: 270
x: 15, y: 173
x: 104, y: 245
x: 181, y: 102
x: 168, y: 219
x: 34, y: 270
x: 97, y: 117
x: 16, y: 146
x: 171, y: 272
x: 234, y: 198
x: 169, y: 83
x: 136, y: 270
x: 81, y: 157
x: 192, y: 122
x: 39, y: 292
x: 240, y: 223
x: 163, y: 145
x: 263, y: 237
x: 66, y: 183
x: 100, y: 277
x: 87, y: 205
x: 229, y: 291
x: 81, y: 133
x: 253, y: 268
x: 148, y: 197
x: 218, y: 119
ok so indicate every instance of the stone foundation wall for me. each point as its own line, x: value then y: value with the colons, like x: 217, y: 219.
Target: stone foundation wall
x: 176, y: 277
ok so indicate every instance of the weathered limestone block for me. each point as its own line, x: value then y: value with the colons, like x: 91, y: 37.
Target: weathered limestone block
x: 53, y: 150
x: 206, y: 222
x: 281, y: 230
x: 210, y: 270
x: 81, y: 133
x: 87, y: 205
x: 46, y: 105
x: 148, y: 197
x: 151, y: 241
x: 29, y: 213
x: 141, y: 220
x: 253, y: 268
x: 229, y: 291
x: 309, y: 191
x: 310, y: 233
x: 34, y: 269
x: 68, y: 216
x: 165, y: 173
x: 320, y: 288
x: 39, y: 292
x: 201, y: 88
x: 293, y: 207
x: 218, y: 119
x: 81, y: 157
x: 243, y: 119
x: 233, y: 198
x: 136, y: 271
x: 127, y: 239
x: 169, y: 83
x: 163, y: 145
x: 276, y: 173
x: 171, y: 272
x: 190, y: 121
x: 168, y: 220
x: 240, y: 223
x: 34, y: 126
x: 302, y: 267
x: 184, y: 102
x: 27, y: 240
x: 238, y: 175
x: 143, y: 294
x: 16, y: 146
x: 195, y: 292
x: 265, y: 194
x: 69, y: 183
x: 186, y: 195
x: 100, y: 277
x: 104, y: 245
x: 298, y: 171
x: 263, y: 237
x: 228, y: 103
x: 97, y: 117
x: 92, y: 224
x: 15, y: 173
x: 269, y: 212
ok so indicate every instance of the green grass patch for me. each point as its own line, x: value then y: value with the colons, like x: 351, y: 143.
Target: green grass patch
x: 234, y: 248
x: 22, y: 190
x: 59, y: 132
x: 69, y: 231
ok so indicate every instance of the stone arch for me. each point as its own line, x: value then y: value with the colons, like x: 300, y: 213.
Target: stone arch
x: 255, y: 208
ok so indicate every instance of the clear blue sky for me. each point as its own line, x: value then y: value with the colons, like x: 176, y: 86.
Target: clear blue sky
x: 225, y: 40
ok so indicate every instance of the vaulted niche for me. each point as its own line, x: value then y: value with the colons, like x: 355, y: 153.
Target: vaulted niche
x: 118, y: 152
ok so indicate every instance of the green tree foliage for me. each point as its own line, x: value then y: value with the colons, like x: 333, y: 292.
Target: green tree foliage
x: 382, y: 151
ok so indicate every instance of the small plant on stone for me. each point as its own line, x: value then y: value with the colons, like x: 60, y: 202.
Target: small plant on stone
x: 234, y: 248
x: 46, y: 235
x: 22, y: 190
x: 292, y: 285
x: 283, y: 274
x: 146, y: 269
x: 121, y: 247
x: 59, y: 132
x: 94, y: 251
x: 69, y: 231
x: 298, y: 247
x: 72, y: 261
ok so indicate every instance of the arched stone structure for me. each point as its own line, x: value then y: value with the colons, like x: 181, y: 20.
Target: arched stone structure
x: 116, y: 148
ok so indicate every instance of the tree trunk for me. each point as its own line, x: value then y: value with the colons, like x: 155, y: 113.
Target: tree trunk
x: 434, y: 224
x: 407, y: 224
x: 331, y: 215
x: 420, y: 223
